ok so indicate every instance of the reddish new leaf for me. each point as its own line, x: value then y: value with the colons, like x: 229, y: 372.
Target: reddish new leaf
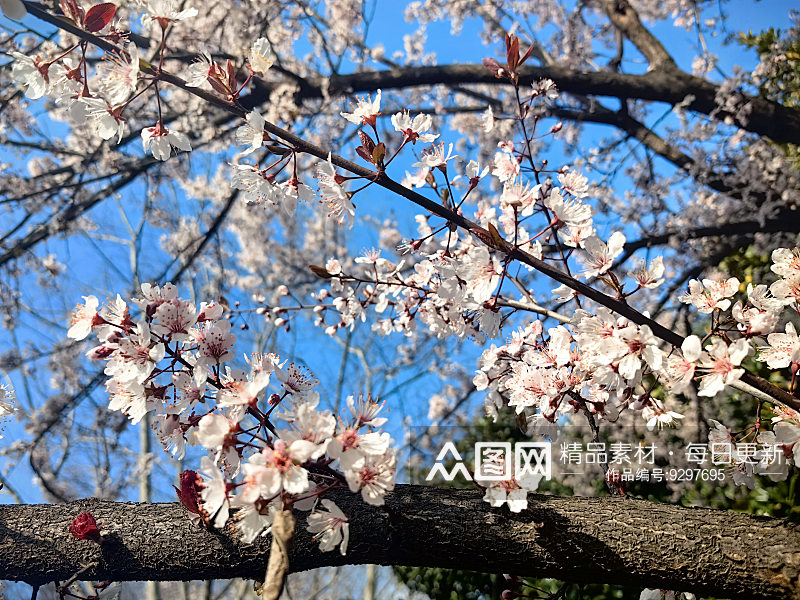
x: 365, y: 154
x: 512, y: 52
x: 320, y: 271
x: 71, y: 9
x: 366, y: 141
x: 219, y: 85
x: 527, y: 55
x: 189, y: 492
x: 99, y: 16
x: 495, y: 67
x: 231, y: 75
x: 379, y: 153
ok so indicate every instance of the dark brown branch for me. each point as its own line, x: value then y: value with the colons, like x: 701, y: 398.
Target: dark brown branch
x: 672, y: 86
x: 626, y: 20
x: 767, y: 118
x: 613, y: 540
x: 650, y: 139
x: 787, y: 223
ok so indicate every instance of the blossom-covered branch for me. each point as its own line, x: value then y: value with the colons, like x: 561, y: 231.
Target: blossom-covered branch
x: 766, y: 117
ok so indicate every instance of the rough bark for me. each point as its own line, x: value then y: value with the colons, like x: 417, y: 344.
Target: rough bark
x: 614, y: 540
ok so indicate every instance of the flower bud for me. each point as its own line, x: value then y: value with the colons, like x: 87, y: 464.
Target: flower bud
x: 84, y: 527
x: 100, y: 352
x: 189, y: 492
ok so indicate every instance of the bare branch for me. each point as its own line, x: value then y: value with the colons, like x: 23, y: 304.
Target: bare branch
x: 626, y: 19
x: 651, y: 140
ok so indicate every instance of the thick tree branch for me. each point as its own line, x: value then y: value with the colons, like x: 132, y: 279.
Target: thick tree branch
x: 626, y: 20
x: 612, y: 540
x: 788, y: 222
x: 651, y: 140
x: 767, y: 118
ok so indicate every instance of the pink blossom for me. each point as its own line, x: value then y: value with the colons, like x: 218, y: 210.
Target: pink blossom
x: 414, y: 129
x: 598, y: 256
x: 710, y: 294
x: 32, y: 73
x: 160, y: 140
x: 173, y: 319
x: 118, y: 75
x: 648, y: 277
x: 574, y: 183
x: 296, y: 379
x: 373, y: 476
x: 214, y: 343
x: 435, y: 157
x: 333, y: 194
x: 243, y: 392
x: 506, y: 167
x: 330, y: 526
x: 84, y: 318
x: 721, y: 365
x: 783, y: 349
x: 366, y: 111
x: 166, y: 11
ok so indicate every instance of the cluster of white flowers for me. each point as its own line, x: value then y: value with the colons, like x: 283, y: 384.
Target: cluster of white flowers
x: 598, y: 362
x: 450, y: 294
x: 259, y: 185
x: 117, y: 79
x: 596, y: 365
x: 114, y: 83
x: 173, y: 361
x: 452, y: 286
x: 752, y: 451
x: 719, y: 363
